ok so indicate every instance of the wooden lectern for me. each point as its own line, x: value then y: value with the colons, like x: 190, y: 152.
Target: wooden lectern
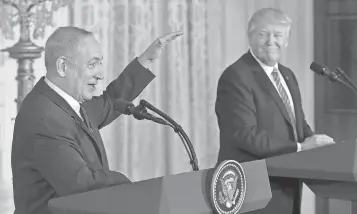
x: 175, y: 194
x: 330, y: 172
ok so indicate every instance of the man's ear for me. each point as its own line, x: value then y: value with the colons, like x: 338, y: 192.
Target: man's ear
x: 61, y: 66
x: 286, y: 42
x: 249, y: 38
x: 288, y: 38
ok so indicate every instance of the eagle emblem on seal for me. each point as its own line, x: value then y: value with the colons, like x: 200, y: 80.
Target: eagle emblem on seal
x: 228, y: 187
x: 229, y: 192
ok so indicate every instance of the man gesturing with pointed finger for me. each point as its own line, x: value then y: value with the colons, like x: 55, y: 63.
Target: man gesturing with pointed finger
x: 57, y: 149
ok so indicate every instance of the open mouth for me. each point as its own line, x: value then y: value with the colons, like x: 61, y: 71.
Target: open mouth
x: 93, y: 86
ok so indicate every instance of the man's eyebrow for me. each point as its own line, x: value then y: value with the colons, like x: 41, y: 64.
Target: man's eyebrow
x: 96, y: 59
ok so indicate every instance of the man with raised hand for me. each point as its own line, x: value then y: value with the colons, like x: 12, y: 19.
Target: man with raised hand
x: 57, y: 148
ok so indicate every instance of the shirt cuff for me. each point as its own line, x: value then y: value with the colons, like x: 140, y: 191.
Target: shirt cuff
x: 298, y: 147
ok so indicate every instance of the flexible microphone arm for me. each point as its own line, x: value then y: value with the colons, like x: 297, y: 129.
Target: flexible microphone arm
x: 178, y: 129
x: 184, y: 143
x: 336, y: 78
x: 140, y: 113
x: 351, y: 84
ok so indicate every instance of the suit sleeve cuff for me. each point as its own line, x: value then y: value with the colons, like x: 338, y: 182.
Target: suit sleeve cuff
x: 142, y: 68
x: 298, y: 147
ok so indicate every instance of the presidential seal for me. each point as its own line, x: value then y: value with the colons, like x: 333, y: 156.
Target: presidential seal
x: 228, y: 187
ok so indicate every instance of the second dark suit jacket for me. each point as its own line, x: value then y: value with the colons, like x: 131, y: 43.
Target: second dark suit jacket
x: 254, y: 123
x: 53, y: 152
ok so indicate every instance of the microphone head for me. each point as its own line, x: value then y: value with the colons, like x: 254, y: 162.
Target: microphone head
x: 122, y: 106
x: 319, y: 69
x: 144, y: 103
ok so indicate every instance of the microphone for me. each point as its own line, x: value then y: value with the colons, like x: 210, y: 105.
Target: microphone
x: 178, y: 129
x: 317, y: 68
x: 341, y: 72
x: 324, y: 71
x: 139, y: 112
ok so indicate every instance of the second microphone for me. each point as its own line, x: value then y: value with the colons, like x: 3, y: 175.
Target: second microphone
x: 139, y: 112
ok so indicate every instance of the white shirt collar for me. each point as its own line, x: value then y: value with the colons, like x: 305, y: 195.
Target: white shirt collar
x: 268, y: 69
x: 70, y: 100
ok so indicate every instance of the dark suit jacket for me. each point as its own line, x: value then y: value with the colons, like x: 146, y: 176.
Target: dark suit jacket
x: 54, y: 154
x: 254, y: 123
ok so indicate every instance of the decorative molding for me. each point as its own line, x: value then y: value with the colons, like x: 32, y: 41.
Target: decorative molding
x: 348, y: 7
x: 333, y: 57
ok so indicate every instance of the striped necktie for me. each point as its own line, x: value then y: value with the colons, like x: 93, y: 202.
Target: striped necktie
x: 284, y: 96
x: 85, y: 118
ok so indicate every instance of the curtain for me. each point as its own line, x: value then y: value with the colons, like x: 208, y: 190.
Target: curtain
x: 184, y: 87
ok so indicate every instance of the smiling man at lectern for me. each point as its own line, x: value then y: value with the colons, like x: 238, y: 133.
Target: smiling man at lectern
x: 57, y: 149
x: 259, y: 108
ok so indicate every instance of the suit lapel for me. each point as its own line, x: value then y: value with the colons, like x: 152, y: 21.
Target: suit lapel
x: 98, y: 140
x: 63, y: 104
x: 267, y: 86
x: 90, y: 133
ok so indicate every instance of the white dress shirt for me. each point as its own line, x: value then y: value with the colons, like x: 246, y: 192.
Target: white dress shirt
x: 68, y: 98
x: 269, y: 70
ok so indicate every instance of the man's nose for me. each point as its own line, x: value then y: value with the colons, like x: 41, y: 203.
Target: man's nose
x: 271, y: 39
x: 99, y: 75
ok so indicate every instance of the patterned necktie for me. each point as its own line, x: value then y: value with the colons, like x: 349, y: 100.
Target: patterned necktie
x: 85, y: 118
x: 284, y: 96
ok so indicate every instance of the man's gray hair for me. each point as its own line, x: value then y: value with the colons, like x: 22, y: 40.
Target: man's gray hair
x: 63, y: 42
x: 271, y: 14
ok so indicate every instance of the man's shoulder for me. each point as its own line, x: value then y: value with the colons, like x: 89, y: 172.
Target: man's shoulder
x: 240, y: 70
x: 38, y: 114
x: 32, y: 106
